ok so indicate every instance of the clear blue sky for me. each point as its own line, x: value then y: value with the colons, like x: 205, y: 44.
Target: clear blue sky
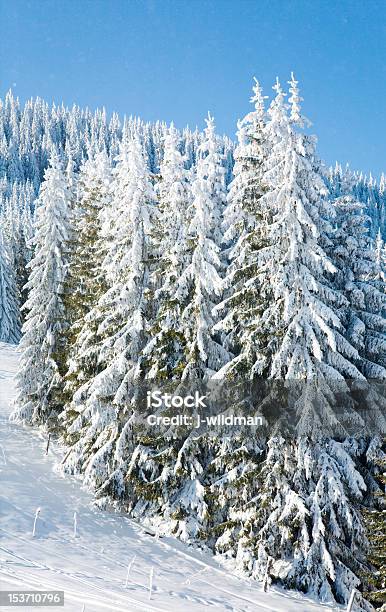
x: 175, y: 59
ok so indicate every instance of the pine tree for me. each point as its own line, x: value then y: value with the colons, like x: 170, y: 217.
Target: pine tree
x: 302, y: 319
x: 9, y: 298
x: 357, y: 278
x: 244, y: 223
x: 169, y: 462
x: 165, y: 351
x: 104, y: 402
x: 200, y: 284
x: 40, y: 376
x: 85, y: 280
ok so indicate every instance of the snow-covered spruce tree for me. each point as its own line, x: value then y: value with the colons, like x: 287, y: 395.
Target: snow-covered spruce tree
x: 276, y: 532
x: 358, y: 278
x: 237, y: 458
x: 199, y: 288
x: 9, y: 298
x: 297, y: 521
x: 105, y: 403
x: 167, y: 467
x: 307, y: 338
x: 308, y: 343
x: 86, y: 280
x: 245, y: 221
x: 16, y: 221
x: 200, y: 285
x: 164, y: 352
x: 40, y: 376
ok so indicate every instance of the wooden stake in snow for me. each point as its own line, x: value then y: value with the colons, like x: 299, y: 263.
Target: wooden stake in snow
x: 4, y: 459
x: 66, y: 456
x: 129, y: 570
x: 35, y: 519
x: 75, y: 525
x: 267, y: 578
x: 84, y: 607
x: 48, y: 443
x: 352, y: 600
x: 151, y: 582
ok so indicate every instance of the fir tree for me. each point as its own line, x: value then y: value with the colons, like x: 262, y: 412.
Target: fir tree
x: 200, y: 284
x: 41, y: 370
x: 244, y: 219
x: 86, y: 280
x: 357, y: 277
x: 9, y: 298
x: 302, y: 318
x: 164, y: 352
x: 104, y: 402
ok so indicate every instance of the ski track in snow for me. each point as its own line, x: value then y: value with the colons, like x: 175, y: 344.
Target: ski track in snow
x: 91, y: 568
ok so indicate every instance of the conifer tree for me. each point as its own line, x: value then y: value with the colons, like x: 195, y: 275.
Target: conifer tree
x: 280, y: 532
x: 104, y: 402
x: 85, y: 281
x: 357, y: 278
x: 200, y: 285
x: 244, y: 235
x: 302, y: 319
x: 9, y: 298
x: 40, y: 376
x: 165, y: 350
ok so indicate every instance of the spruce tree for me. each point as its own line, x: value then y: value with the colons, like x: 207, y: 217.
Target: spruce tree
x: 167, y: 467
x: 244, y: 235
x: 357, y: 277
x: 86, y: 279
x: 290, y: 529
x: 200, y: 285
x: 105, y: 402
x: 40, y: 376
x: 9, y: 298
x: 165, y: 351
x: 302, y: 319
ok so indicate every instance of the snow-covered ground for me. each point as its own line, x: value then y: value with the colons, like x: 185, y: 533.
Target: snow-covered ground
x: 91, y: 568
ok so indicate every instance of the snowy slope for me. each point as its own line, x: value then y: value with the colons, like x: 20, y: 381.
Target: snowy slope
x: 91, y: 568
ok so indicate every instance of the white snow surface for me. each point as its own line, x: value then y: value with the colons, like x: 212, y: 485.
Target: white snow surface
x: 91, y: 568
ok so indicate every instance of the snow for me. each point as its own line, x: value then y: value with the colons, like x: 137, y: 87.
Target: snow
x: 91, y: 568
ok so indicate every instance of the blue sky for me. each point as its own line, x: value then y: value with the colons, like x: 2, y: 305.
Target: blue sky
x: 177, y: 59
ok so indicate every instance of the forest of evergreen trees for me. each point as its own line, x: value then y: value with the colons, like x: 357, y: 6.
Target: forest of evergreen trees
x: 134, y: 252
